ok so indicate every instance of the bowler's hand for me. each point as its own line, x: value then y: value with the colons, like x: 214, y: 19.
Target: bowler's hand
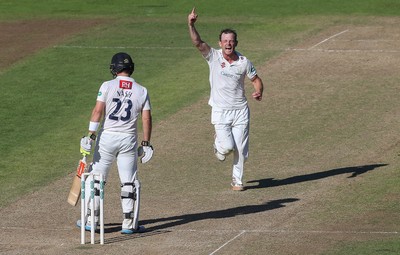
x: 192, y: 17
x: 257, y: 96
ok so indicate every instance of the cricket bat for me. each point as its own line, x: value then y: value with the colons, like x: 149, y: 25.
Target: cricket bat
x: 75, y: 191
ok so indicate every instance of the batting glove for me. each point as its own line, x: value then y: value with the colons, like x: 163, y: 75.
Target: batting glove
x: 145, y: 152
x: 86, y: 145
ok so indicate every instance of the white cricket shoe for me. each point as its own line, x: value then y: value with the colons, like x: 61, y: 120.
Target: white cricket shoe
x: 220, y: 156
x: 88, y: 225
x: 129, y: 231
x: 236, y: 186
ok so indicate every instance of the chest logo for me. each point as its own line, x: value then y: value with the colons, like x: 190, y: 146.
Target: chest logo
x: 223, y: 64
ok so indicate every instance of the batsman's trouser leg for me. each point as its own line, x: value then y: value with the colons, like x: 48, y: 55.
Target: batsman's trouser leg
x: 137, y: 205
x: 130, y: 200
x: 127, y: 168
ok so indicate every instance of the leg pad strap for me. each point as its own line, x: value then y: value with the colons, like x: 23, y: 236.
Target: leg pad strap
x: 129, y: 215
x: 127, y: 194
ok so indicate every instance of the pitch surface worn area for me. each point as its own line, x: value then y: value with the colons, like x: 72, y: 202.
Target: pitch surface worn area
x: 324, y: 135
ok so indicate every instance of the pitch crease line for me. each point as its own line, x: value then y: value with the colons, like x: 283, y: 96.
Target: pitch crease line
x: 327, y: 39
x: 294, y: 231
x: 241, y: 233
x: 344, y: 51
x: 364, y: 40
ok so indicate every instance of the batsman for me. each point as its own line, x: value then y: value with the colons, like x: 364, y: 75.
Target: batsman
x: 120, y: 102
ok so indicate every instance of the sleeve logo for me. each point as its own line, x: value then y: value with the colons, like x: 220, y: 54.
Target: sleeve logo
x: 125, y: 84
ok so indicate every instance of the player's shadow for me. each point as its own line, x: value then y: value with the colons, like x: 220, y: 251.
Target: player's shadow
x: 354, y: 171
x: 169, y: 222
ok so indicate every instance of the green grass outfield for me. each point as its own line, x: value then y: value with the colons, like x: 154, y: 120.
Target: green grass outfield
x: 46, y: 98
x: 23, y: 9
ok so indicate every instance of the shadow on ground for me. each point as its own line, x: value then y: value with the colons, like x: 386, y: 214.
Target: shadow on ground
x: 188, y: 218
x: 355, y: 171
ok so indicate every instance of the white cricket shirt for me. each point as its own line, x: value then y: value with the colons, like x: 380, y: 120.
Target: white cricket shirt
x: 227, y: 80
x: 124, y: 99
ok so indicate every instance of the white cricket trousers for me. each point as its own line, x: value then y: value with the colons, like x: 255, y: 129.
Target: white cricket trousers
x: 232, y: 134
x: 123, y: 148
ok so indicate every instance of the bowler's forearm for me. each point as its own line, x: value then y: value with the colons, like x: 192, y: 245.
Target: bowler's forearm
x: 258, y: 85
x: 195, y: 36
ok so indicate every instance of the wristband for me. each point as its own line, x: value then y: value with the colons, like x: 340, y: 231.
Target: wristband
x: 92, y: 136
x: 145, y: 143
x: 93, y: 126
